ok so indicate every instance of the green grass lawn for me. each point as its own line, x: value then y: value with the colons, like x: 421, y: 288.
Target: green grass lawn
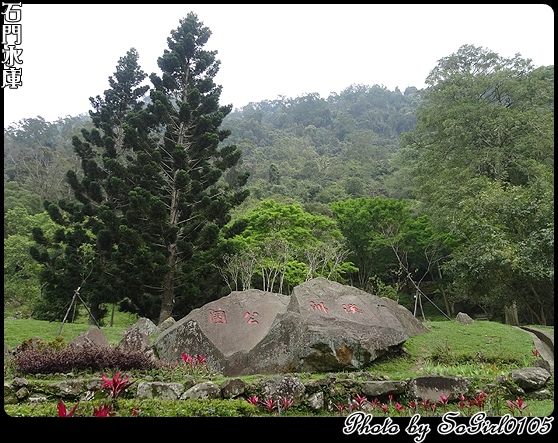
x: 18, y: 330
x: 481, y: 351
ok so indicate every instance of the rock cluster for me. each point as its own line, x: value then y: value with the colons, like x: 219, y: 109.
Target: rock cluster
x: 322, y: 326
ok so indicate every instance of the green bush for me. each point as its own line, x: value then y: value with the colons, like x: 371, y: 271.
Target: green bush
x: 146, y: 408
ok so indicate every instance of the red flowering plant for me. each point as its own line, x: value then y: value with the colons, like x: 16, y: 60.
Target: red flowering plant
x: 480, y: 400
x: 519, y: 405
x: 359, y: 401
x: 444, y: 400
x: 196, y: 364
x: 63, y: 412
x: 188, y: 359
x: 428, y: 407
x: 384, y: 407
x: 112, y: 388
x: 425, y: 403
x: 116, y: 385
x: 399, y: 408
x: 269, y: 404
x: 285, y: 403
x: 340, y: 407
x: 104, y: 411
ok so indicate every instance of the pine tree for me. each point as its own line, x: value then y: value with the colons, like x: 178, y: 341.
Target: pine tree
x: 191, y: 194
x: 155, y: 190
x: 84, y: 254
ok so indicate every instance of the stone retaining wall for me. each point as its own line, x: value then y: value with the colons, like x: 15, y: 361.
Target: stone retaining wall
x: 315, y: 394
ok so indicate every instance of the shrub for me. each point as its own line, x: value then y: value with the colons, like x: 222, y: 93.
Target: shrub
x: 39, y: 343
x: 86, y: 357
x: 147, y: 408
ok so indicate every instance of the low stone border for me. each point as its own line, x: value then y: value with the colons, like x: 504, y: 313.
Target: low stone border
x: 317, y: 394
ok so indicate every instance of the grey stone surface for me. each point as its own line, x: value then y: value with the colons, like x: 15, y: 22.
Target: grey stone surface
x: 288, y: 387
x: 322, y: 326
x: 135, y: 340
x: 220, y: 329
x: 207, y: 390
x: 543, y: 341
x: 378, y: 388
x: 463, y: 318
x: 233, y: 387
x: 91, y: 336
x: 317, y: 394
x: 163, y: 391
x: 531, y: 378
x: 69, y: 388
x: 167, y: 324
x: 146, y: 326
x: 432, y: 387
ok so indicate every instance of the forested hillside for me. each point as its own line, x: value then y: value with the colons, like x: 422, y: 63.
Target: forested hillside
x: 308, y: 148
x: 319, y: 150
x: 161, y: 199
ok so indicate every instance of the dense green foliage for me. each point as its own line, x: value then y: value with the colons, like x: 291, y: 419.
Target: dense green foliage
x: 389, y: 243
x: 275, y: 247
x: 153, y: 195
x: 445, y: 192
x: 482, y: 161
x: 315, y: 150
x: 37, y: 154
x: 22, y: 285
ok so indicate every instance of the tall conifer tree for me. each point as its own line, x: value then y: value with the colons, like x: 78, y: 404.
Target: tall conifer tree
x: 154, y: 193
x: 188, y: 199
x: 83, y: 254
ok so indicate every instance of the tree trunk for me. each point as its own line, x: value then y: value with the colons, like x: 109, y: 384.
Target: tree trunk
x: 420, y: 305
x: 167, y: 301
x: 112, y: 315
x: 441, y: 286
x: 95, y: 313
x: 511, y: 314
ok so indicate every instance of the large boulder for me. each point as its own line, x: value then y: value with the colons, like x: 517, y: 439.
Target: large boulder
x: 145, y: 326
x: 93, y: 336
x: 331, y: 327
x: 322, y: 326
x: 222, y: 329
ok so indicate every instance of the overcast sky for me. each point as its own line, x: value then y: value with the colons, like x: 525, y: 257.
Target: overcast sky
x: 266, y: 51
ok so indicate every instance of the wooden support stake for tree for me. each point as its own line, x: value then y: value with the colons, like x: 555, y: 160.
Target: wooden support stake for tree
x: 76, y: 295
